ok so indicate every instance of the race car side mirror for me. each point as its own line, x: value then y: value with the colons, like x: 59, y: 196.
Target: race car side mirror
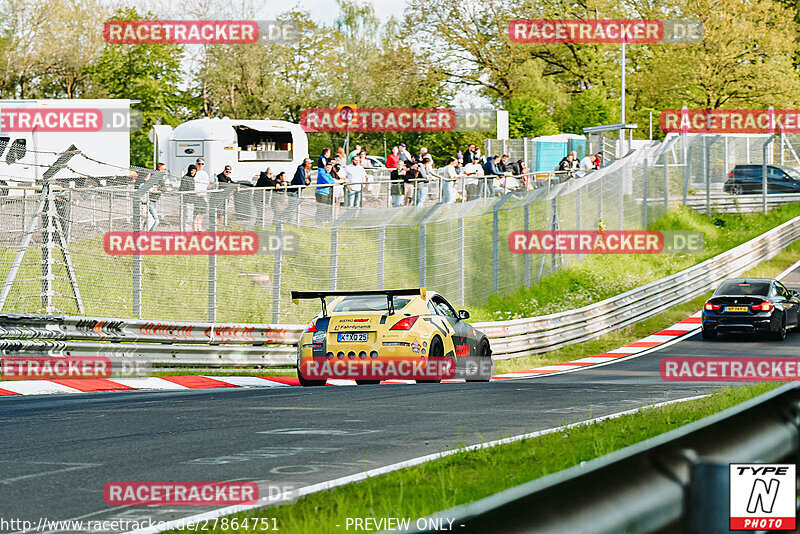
x: 463, y: 314
x: 794, y: 293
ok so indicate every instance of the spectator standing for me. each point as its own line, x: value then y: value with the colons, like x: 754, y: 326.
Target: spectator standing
x: 425, y: 172
x: 202, y: 183
x: 473, y: 172
x: 302, y: 177
x: 186, y: 190
x: 470, y: 155
x: 393, y: 158
x: 353, y: 153
x: 340, y: 154
x: 405, y: 156
x: 155, y: 195
x: 409, y: 183
x: 265, y: 184
x: 490, y: 171
x: 356, y: 178
x: 340, y: 179
x: 225, y: 176
x: 460, y: 156
x: 397, y: 177
x: 324, y: 158
x: 449, y: 176
x: 323, y: 194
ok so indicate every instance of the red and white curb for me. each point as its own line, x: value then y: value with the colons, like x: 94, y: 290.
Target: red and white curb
x: 648, y: 344
x: 180, y: 383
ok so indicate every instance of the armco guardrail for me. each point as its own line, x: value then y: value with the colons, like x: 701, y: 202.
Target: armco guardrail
x: 522, y: 337
x: 741, y: 203
x: 264, y: 344
x: 677, y: 481
x: 155, y: 341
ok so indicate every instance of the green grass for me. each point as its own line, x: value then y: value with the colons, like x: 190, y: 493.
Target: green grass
x: 470, y: 475
x: 638, y: 330
x: 603, y: 276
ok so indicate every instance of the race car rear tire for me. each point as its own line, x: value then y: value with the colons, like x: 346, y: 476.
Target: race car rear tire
x: 309, y: 383
x: 709, y: 333
x: 436, y: 352
x: 485, y: 352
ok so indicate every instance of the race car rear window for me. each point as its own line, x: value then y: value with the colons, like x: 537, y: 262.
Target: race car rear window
x: 368, y: 303
x: 743, y: 288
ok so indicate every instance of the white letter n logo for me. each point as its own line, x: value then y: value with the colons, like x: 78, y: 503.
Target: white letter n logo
x: 763, y: 496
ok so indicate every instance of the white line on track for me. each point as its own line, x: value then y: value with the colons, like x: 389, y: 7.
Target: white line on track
x: 321, y: 486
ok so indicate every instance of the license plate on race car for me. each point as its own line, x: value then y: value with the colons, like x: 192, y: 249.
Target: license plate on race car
x: 352, y: 336
x: 736, y: 309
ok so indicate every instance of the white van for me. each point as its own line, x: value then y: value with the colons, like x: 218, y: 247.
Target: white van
x: 248, y: 146
x: 34, y: 132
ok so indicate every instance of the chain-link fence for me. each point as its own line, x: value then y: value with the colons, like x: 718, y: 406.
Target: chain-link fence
x: 52, y: 255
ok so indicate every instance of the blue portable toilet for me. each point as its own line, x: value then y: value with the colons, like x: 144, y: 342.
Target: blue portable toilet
x: 548, y: 150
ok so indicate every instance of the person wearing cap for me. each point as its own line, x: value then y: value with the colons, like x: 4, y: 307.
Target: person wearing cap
x: 405, y: 156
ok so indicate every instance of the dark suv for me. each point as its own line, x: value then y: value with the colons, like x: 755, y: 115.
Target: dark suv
x: 747, y: 179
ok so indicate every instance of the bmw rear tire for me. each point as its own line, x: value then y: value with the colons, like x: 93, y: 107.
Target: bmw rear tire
x: 780, y: 334
x: 709, y: 333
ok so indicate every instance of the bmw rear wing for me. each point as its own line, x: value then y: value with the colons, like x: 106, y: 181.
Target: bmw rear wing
x: 389, y: 293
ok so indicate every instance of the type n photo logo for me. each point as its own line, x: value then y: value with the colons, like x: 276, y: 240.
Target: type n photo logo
x: 763, y: 497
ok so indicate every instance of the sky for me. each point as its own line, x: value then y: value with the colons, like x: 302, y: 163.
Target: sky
x: 326, y: 10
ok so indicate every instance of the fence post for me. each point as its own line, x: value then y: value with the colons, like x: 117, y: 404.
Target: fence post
x: 495, y: 251
x: 687, y: 174
x: 578, y: 215
x: 461, y: 270
x: 276, y: 277
x: 264, y: 207
x: 644, y: 195
x: 47, y: 252
x: 334, y: 256
x: 621, y: 206
x: 24, y: 214
x: 422, y: 253
x: 137, y: 260
x: 666, y: 182
x: 110, y: 211
x: 212, y: 267
x: 526, y: 227
x: 600, y: 199
x: 381, y: 252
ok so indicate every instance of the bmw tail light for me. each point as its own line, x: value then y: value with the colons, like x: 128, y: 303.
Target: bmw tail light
x: 405, y: 324
x: 730, y: 174
x: 712, y: 307
x: 764, y: 306
x: 312, y: 326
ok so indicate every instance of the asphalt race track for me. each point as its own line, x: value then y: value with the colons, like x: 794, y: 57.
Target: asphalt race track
x: 58, y: 452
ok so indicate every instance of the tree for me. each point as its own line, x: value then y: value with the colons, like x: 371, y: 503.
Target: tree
x: 148, y: 73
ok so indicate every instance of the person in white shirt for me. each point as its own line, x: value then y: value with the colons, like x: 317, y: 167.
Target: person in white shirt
x: 472, y: 170
x: 356, y: 177
x: 202, y: 183
x: 587, y: 164
x: 449, y: 176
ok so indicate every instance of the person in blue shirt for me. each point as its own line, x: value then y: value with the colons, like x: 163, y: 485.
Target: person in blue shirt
x: 325, y: 194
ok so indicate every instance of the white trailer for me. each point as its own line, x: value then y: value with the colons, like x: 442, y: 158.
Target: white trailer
x: 33, y: 132
x: 248, y: 146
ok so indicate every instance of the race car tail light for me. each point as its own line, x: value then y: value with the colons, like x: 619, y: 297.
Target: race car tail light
x: 730, y: 174
x: 712, y: 307
x: 312, y: 326
x: 764, y: 306
x: 405, y: 324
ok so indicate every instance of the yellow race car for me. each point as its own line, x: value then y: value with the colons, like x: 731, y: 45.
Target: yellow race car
x: 393, y: 334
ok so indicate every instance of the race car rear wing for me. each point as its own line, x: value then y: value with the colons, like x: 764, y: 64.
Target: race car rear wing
x: 389, y: 293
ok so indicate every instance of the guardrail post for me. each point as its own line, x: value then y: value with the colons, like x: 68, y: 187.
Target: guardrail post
x: 708, y: 498
x: 644, y: 195
x: 276, y: 277
x: 381, y: 252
